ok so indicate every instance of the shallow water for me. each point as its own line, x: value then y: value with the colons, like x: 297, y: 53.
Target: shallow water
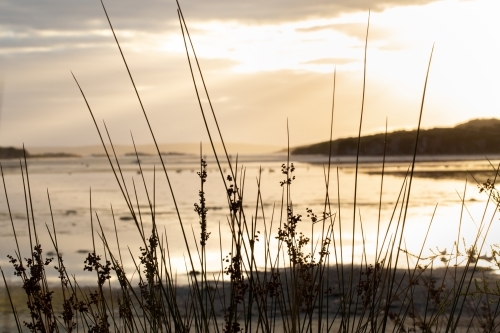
x: 75, y: 184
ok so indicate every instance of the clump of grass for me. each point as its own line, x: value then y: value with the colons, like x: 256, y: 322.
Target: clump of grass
x: 303, y: 285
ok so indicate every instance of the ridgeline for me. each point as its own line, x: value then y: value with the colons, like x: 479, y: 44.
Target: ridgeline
x: 475, y: 137
x: 11, y: 152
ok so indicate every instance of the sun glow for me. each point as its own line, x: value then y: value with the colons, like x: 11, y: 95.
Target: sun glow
x: 272, y: 47
x: 280, y: 61
x: 320, y: 45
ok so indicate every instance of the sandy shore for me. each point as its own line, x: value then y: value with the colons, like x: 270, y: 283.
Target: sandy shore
x: 429, y: 296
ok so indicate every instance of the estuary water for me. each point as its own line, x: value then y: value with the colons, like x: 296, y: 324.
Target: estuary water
x: 443, y: 190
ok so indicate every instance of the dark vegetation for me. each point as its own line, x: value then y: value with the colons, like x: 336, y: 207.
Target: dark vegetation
x: 53, y: 155
x: 11, y: 152
x: 478, y: 137
x: 17, y: 153
x: 138, y: 154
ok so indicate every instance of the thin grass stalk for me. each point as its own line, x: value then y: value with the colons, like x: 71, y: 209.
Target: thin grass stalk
x: 419, y: 256
x: 283, y: 304
x: 154, y: 195
x: 252, y: 239
x: 416, y: 145
x: 251, y: 236
x: 125, y: 286
x: 403, y: 313
x: 391, y: 270
x: 320, y: 273
x: 323, y: 239
x: 234, y: 176
x: 116, y: 234
x: 27, y: 210
x: 411, y: 277
x: 373, y: 321
x: 331, y: 227
x: 110, y: 159
x: 356, y: 171
x: 410, y: 287
x: 159, y: 154
x: 170, y: 292
x: 351, y: 292
x: 61, y: 269
x: 289, y: 207
x: 108, y: 307
x: 462, y: 280
x: 84, y: 318
x: 428, y: 299
x: 363, y: 257
x: 411, y: 290
x: 341, y: 266
x: 145, y: 186
x: 14, y: 311
x: 10, y: 212
x: 140, y: 298
x: 43, y: 288
x: 474, y: 268
x: 124, y: 193
x: 139, y: 214
x: 201, y: 108
x: 267, y: 256
x: 381, y: 192
x: 206, y: 92
x: 127, y: 197
x: 391, y: 220
x: 29, y: 195
x: 457, y: 250
x: 412, y: 166
x: 204, y: 235
x: 102, y: 302
x: 268, y: 261
x: 129, y: 322
x: 331, y: 139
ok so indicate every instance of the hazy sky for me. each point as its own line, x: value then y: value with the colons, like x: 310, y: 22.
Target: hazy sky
x: 264, y: 62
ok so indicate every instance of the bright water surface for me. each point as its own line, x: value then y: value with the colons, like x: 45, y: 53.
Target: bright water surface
x: 439, y: 183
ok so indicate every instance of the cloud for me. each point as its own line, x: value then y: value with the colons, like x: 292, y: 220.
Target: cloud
x: 52, y: 25
x: 55, y: 25
x: 43, y: 107
x: 46, y: 41
x: 40, y: 42
x: 154, y: 14
x: 272, y: 11
x: 356, y: 30
x: 331, y: 61
x: 75, y: 14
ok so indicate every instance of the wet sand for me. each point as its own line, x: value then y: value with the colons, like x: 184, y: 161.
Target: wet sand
x: 415, y: 304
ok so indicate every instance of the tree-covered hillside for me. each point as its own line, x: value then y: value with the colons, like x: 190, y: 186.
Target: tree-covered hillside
x: 478, y: 137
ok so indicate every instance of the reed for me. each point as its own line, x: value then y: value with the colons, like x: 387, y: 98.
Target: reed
x: 305, y: 285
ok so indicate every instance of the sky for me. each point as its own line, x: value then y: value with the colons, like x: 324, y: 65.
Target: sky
x: 266, y: 64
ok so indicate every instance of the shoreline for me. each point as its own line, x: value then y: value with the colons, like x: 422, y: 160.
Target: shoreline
x: 427, y: 284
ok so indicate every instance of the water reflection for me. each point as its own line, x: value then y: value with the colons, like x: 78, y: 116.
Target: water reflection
x: 444, y: 199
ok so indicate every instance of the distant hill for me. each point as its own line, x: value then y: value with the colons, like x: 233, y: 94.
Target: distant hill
x: 53, y: 155
x: 165, y: 149
x: 11, y: 152
x: 477, y: 137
